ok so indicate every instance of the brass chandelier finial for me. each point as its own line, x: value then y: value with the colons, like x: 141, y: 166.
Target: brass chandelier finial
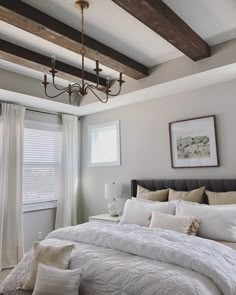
x: 81, y: 4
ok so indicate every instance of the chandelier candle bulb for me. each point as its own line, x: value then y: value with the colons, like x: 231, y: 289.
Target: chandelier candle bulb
x: 108, y: 82
x: 97, y: 66
x: 45, y: 79
x: 121, y: 76
x: 53, y: 61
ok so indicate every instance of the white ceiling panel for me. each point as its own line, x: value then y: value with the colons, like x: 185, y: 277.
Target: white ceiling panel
x: 213, y: 20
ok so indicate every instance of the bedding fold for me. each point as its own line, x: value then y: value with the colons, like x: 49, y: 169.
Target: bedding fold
x: 206, y: 257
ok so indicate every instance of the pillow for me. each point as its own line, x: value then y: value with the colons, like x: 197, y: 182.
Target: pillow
x: 160, y: 195
x: 182, y: 224
x: 216, y: 222
x: 137, y: 212
x: 192, y: 196
x: 55, y: 281
x: 221, y: 198
x: 57, y: 256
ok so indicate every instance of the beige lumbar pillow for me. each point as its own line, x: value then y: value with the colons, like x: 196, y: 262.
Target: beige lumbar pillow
x: 55, y: 281
x: 182, y: 224
x: 191, y: 196
x: 56, y: 256
x: 215, y: 198
x: 145, y: 194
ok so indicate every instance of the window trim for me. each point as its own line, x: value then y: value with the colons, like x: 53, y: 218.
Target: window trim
x: 30, y: 207
x: 107, y: 124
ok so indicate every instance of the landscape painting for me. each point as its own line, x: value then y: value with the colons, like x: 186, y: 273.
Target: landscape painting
x: 193, y: 147
x: 193, y: 143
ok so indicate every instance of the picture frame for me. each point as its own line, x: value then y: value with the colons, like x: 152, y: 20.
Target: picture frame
x: 193, y: 143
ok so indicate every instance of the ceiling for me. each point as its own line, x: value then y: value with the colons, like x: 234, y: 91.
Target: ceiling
x: 213, y: 20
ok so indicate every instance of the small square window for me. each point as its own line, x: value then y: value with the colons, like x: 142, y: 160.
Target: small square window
x: 104, y: 144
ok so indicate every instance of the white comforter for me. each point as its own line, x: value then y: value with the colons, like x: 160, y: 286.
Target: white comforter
x: 128, y: 259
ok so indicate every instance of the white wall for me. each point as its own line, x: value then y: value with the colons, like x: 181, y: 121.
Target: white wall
x: 145, y: 149
x: 37, y: 221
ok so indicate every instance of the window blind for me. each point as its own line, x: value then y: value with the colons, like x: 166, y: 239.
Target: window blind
x: 42, y: 162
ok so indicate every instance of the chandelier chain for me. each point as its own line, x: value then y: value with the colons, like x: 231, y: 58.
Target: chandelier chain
x: 82, y: 29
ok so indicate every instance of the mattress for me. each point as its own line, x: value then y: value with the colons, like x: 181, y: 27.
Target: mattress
x: 133, y: 260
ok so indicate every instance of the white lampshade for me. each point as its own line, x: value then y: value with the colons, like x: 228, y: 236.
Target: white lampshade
x: 113, y: 191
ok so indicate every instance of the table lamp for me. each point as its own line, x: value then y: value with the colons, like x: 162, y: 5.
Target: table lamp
x: 114, y: 192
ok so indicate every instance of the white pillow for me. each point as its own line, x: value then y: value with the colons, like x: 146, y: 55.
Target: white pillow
x: 137, y: 211
x: 182, y: 224
x: 216, y: 222
x: 55, y: 281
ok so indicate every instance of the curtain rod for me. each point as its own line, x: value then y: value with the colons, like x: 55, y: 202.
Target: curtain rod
x: 49, y: 113
x: 38, y: 110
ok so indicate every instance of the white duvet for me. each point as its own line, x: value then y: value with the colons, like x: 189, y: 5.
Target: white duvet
x: 128, y: 259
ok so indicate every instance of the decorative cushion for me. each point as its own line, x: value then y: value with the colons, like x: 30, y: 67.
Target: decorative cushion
x: 55, y: 281
x: 192, y: 196
x: 221, y: 198
x: 138, y: 211
x: 160, y: 195
x: 57, y: 256
x: 182, y: 224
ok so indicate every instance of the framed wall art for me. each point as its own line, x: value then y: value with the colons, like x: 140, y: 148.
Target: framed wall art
x: 193, y: 143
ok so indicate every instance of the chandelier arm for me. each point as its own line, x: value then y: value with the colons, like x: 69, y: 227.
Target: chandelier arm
x: 98, y: 89
x: 98, y: 79
x: 103, y: 101
x: 54, y: 96
x: 118, y: 92
x: 74, y: 98
x: 74, y: 85
x: 58, y: 88
x: 105, y: 91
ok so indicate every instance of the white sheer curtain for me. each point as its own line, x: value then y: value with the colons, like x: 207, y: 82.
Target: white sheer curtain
x: 67, y: 202
x: 11, y: 167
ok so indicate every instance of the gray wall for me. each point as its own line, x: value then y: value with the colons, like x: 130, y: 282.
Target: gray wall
x: 26, y: 85
x: 145, y: 149
x: 37, y: 221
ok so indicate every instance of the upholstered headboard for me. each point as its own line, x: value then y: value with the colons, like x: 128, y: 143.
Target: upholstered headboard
x: 215, y: 185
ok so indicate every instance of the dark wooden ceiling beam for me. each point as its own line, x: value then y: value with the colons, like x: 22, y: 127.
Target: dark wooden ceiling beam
x: 161, y: 19
x: 27, y: 58
x: 25, y: 17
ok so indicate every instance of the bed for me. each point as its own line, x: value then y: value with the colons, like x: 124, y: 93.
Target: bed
x: 129, y: 259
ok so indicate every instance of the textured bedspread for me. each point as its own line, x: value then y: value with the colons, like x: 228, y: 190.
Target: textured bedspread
x: 135, y: 260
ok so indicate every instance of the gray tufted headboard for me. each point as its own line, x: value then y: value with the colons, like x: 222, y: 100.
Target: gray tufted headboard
x: 215, y: 185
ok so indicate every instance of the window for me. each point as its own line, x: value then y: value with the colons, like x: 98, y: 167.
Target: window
x: 42, y: 160
x: 104, y: 144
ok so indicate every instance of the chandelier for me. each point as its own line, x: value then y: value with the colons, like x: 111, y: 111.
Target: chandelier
x: 82, y: 88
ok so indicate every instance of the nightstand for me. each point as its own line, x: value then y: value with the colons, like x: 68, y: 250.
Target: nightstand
x: 105, y: 218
